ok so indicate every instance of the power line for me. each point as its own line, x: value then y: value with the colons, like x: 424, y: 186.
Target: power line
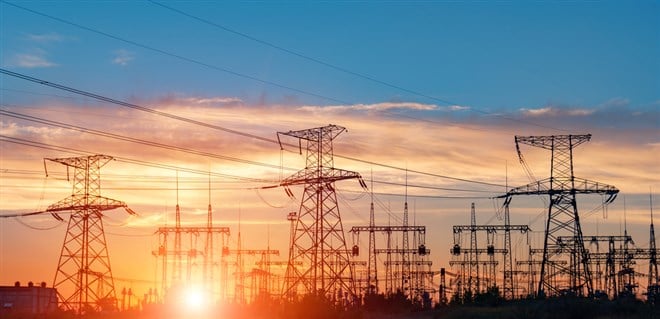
x: 341, y: 69
x: 189, y: 151
x: 207, y: 125
x: 194, y: 61
x: 20, y: 141
x: 131, y: 105
x: 300, y: 55
x: 136, y: 140
x: 426, y: 196
x: 131, y: 178
x: 419, y: 172
x: 174, y: 55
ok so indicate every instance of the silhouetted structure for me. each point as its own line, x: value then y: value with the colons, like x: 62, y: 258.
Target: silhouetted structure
x: 83, y: 279
x: 563, y: 219
x: 318, y: 240
x: 17, y: 301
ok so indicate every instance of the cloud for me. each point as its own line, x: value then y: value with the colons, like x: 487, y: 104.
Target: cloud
x: 552, y: 111
x: 45, y: 37
x: 213, y: 100
x: 26, y: 60
x: 123, y: 57
x: 458, y: 108
x: 195, y: 102
x: 370, y: 107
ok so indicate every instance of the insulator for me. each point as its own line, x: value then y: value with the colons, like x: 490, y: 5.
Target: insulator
x: 161, y: 250
x: 356, y: 250
x: 421, y: 250
x: 456, y: 250
x: 490, y: 250
x: 225, y: 251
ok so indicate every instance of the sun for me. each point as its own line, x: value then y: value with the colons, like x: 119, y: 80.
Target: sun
x: 196, y: 299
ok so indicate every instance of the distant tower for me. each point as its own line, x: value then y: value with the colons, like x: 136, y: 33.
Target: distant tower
x: 653, y: 287
x: 83, y: 279
x: 318, y: 242
x: 473, y: 283
x: 563, y: 220
x: 405, y: 252
x: 208, y: 248
x: 372, y: 266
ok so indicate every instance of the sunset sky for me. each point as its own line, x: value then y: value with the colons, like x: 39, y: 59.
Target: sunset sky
x: 436, y: 88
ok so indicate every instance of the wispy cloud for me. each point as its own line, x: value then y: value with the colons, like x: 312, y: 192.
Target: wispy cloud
x: 370, y: 107
x: 46, y: 37
x: 123, y: 57
x: 213, y: 100
x: 27, y: 60
x: 178, y: 101
x: 552, y: 111
x: 458, y: 108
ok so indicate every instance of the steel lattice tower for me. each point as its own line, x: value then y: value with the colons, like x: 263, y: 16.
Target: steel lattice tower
x: 473, y: 283
x: 372, y: 266
x: 508, y: 257
x: 318, y: 241
x: 653, y: 286
x: 562, y: 220
x: 84, y: 279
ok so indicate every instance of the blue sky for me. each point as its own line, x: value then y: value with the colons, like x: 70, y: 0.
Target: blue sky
x: 492, y: 56
x: 488, y: 70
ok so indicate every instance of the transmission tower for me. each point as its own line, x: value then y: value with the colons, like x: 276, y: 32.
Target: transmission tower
x: 653, y: 286
x: 562, y: 187
x: 405, y: 255
x: 84, y: 279
x: 473, y: 257
x: 372, y: 266
x: 319, y: 234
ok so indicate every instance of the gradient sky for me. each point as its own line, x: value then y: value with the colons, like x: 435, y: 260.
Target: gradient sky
x: 435, y: 87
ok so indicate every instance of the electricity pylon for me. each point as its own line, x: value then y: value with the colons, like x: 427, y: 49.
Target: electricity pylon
x: 563, y: 219
x: 318, y: 241
x: 653, y: 286
x: 83, y: 279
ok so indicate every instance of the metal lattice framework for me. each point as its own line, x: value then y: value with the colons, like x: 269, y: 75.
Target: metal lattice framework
x: 84, y: 279
x: 563, y: 219
x: 395, y: 257
x: 473, y: 252
x: 318, y: 241
x: 653, y: 286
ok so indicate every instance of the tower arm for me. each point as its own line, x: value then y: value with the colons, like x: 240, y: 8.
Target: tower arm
x: 548, y: 142
x: 316, y: 134
x: 490, y: 228
x: 550, y: 186
x: 387, y: 229
x: 82, y: 162
x: 82, y: 202
x: 326, y: 175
